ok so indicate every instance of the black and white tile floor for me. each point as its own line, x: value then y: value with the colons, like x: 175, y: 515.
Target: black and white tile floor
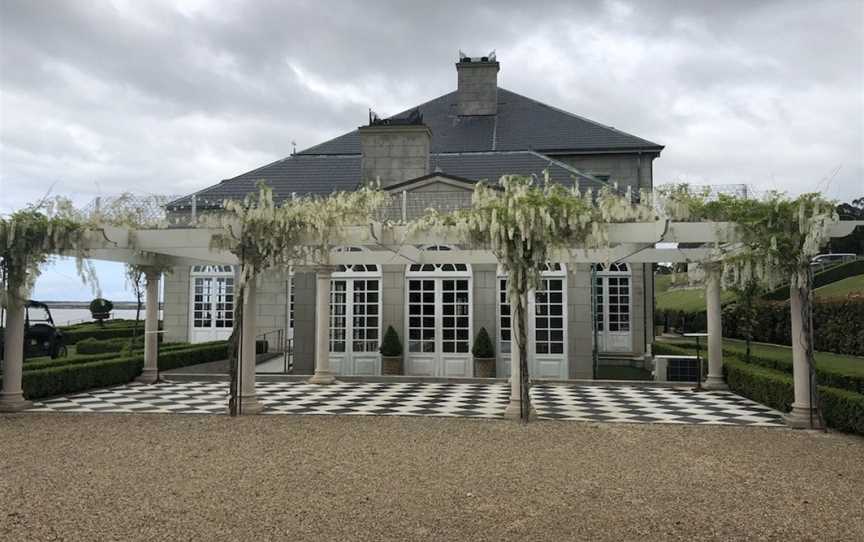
x: 582, y: 402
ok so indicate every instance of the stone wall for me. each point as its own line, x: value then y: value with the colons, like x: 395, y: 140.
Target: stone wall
x: 394, y: 153
x: 627, y: 170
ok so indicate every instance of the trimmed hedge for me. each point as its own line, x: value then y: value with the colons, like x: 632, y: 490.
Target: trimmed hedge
x: 75, y: 378
x: 113, y: 329
x: 824, y: 376
x: 838, y: 324
x: 766, y: 386
x: 200, y: 353
x: 74, y: 374
x: 833, y: 274
x: 92, y: 345
x: 843, y: 410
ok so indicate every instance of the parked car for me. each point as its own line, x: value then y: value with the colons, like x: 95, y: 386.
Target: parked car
x: 828, y: 259
x: 41, y: 336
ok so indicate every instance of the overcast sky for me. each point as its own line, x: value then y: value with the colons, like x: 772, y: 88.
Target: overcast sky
x: 100, y: 97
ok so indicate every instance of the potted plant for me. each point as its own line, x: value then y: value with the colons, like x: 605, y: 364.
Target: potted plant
x: 391, y: 353
x: 484, y: 355
x: 101, y: 309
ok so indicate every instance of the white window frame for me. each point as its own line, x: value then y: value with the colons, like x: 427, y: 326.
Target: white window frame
x: 439, y: 363
x: 213, y: 273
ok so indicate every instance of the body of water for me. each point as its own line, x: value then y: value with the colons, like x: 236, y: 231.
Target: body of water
x: 64, y: 317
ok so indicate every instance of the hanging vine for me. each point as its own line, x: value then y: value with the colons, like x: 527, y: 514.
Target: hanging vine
x: 265, y: 235
x: 522, y: 221
x: 779, y: 236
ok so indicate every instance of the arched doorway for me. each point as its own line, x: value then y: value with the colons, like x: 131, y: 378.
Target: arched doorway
x: 355, y: 318
x: 438, y: 318
x: 547, y: 330
x: 613, y: 304
x: 211, y: 303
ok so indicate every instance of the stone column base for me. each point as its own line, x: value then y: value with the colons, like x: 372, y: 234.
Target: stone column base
x: 799, y: 418
x: 249, y: 405
x: 514, y: 411
x: 322, y: 377
x: 148, y: 376
x: 715, y: 383
x: 14, y: 402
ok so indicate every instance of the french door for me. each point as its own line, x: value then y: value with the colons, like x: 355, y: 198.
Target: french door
x: 612, y: 302
x: 355, y: 325
x: 547, y: 329
x: 211, y: 303
x: 438, y: 322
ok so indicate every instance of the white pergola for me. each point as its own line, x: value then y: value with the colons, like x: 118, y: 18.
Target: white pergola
x: 627, y: 242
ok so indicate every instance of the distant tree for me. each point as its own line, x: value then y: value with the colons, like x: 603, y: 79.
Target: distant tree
x: 854, y: 242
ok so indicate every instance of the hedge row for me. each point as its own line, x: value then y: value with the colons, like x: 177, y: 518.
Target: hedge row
x: 783, y: 363
x: 101, y: 346
x: 72, y: 375
x: 833, y: 274
x: 843, y: 410
x: 74, y: 334
x: 201, y: 353
x: 74, y: 378
x: 76, y: 359
x: 838, y: 324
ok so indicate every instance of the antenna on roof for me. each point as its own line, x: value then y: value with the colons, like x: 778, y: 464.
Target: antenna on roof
x: 293, y: 147
x: 492, y: 56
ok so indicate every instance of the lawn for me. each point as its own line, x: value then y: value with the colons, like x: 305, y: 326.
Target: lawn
x: 842, y: 288
x: 687, y: 300
x: 851, y: 365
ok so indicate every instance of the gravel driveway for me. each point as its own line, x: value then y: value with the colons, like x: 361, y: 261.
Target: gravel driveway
x: 174, y: 477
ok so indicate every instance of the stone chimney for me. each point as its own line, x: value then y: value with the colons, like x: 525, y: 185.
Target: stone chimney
x: 394, y: 150
x: 477, y: 91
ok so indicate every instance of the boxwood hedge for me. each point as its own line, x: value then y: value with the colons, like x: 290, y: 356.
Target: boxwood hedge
x: 78, y: 373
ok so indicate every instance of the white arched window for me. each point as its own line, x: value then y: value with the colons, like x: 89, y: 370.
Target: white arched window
x: 547, y: 333
x: 211, y: 314
x: 613, y: 306
x: 355, y: 317
x: 438, y: 318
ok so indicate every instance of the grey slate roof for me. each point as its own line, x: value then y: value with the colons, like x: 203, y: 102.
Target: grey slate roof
x: 521, y: 124
x: 322, y: 174
x: 478, y: 148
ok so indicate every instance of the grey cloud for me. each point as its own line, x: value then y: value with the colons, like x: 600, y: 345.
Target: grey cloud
x: 147, y: 96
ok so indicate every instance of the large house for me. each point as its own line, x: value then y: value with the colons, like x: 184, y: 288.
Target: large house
x: 432, y: 156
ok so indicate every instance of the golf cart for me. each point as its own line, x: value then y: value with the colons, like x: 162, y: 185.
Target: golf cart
x: 41, y: 337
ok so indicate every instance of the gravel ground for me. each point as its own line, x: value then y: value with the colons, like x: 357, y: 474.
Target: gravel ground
x: 175, y: 477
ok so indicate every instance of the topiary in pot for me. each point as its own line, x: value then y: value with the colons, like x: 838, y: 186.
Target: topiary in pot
x: 391, y: 353
x: 100, y: 310
x: 484, y: 355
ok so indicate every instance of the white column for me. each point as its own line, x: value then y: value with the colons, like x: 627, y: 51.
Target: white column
x: 248, y: 402
x: 715, y: 379
x: 802, y: 409
x: 323, y: 374
x: 12, y: 396
x: 514, y: 407
x: 150, y: 374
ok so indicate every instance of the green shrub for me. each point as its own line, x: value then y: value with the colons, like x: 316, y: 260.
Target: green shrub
x: 73, y: 336
x: 390, y: 346
x: 75, y: 378
x: 194, y: 354
x: 843, y: 410
x: 483, y: 347
x: 838, y: 324
x: 100, y: 309
x: 97, y: 346
x: 771, y: 388
x: 833, y: 274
